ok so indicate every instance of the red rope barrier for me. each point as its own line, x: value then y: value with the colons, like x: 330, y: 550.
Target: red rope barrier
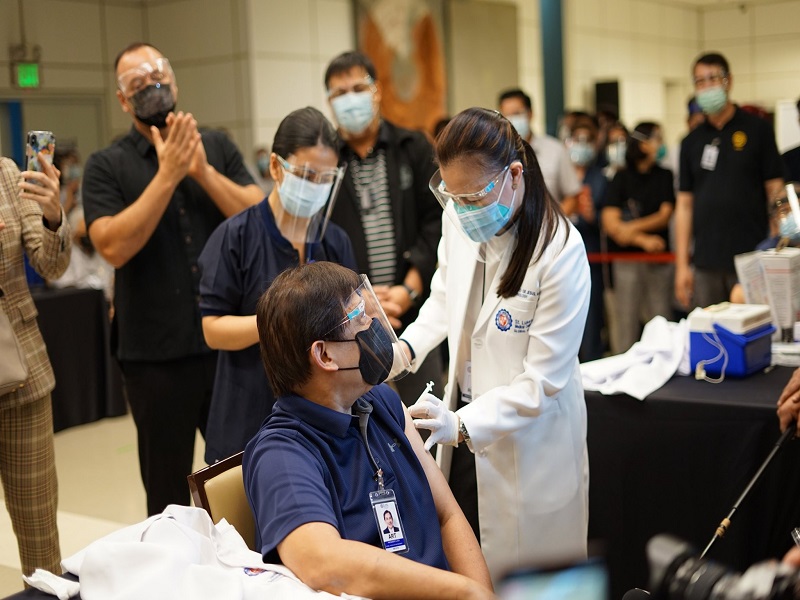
x: 646, y: 257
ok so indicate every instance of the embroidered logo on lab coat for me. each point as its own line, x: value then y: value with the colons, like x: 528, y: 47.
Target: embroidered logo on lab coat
x: 503, y: 320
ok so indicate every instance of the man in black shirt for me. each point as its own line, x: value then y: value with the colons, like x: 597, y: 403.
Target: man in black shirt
x: 151, y: 201
x: 729, y: 170
x: 384, y: 205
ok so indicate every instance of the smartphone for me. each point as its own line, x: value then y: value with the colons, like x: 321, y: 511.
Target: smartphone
x: 39, y: 141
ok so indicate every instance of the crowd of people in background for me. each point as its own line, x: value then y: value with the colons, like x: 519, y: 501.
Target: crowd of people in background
x: 585, y: 238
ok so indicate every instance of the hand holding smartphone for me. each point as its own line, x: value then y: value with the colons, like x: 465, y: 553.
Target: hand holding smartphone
x: 41, y: 182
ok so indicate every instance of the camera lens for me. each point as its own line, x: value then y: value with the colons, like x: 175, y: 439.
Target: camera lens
x: 33, y: 140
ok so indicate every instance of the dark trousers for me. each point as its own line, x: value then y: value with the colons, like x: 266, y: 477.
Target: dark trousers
x: 169, y: 400
x: 464, y: 483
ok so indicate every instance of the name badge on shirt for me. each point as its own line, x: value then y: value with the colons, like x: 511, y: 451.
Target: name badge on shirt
x: 709, y: 158
x: 387, y: 517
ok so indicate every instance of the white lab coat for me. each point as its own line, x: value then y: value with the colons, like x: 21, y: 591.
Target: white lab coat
x: 527, y: 421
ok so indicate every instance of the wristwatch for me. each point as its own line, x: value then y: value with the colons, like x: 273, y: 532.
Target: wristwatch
x: 412, y: 293
x: 462, y: 429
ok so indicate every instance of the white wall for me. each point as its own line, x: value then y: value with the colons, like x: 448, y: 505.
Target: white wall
x: 290, y: 45
x: 646, y: 45
x: 206, y: 42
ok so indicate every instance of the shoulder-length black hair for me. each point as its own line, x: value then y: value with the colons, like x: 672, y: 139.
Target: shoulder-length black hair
x: 488, y: 139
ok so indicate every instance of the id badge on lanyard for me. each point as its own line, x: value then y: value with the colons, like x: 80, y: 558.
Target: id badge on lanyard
x: 710, y: 155
x: 387, y: 517
x: 383, y: 502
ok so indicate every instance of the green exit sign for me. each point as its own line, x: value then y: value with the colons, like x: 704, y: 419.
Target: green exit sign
x: 26, y: 74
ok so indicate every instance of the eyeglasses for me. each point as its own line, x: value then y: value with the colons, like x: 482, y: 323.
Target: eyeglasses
x: 309, y: 174
x: 357, y: 314
x: 151, y: 72
x: 438, y: 187
x: 713, y: 79
x: 366, y: 85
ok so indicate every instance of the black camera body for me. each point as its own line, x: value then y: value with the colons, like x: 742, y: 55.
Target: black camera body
x: 678, y: 573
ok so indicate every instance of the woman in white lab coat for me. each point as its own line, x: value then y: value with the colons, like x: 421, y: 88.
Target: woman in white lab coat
x: 510, y: 295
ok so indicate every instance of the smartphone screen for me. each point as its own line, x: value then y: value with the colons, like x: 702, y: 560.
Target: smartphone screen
x: 39, y: 141
x: 585, y: 580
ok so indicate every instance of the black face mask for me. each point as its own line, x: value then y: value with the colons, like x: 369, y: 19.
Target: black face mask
x: 152, y: 104
x: 377, y: 353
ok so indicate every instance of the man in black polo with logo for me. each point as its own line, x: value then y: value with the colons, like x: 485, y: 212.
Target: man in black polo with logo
x: 384, y: 204
x: 729, y: 170
x: 151, y: 201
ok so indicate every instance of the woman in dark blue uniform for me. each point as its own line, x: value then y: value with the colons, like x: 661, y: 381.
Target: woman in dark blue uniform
x: 243, y: 256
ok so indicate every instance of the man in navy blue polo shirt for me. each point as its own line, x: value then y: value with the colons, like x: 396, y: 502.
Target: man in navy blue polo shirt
x: 730, y: 170
x: 339, y: 450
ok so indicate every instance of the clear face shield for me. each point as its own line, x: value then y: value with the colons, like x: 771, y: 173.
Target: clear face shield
x: 365, y: 324
x: 481, y: 215
x: 150, y: 90
x: 134, y: 80
x: 785, y: 213
x: 307, y: 197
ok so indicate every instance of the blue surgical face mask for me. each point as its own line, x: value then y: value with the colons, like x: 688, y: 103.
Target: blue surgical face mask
x: 712, y: 100
x: 789, y: 228
x: 74, y: 172
x: 481, y: 224
x: 581, y: 153
x: 263, y: 165
x: 662, y: 153
x: 302, y: 198
x: 521, y: 124
x: 354, y: 111
x: 615, y: 152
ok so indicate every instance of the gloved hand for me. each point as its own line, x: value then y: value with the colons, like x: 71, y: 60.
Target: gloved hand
x: 430, y: 413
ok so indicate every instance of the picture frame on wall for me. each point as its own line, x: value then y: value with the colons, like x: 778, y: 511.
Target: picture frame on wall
x: 404, y: 40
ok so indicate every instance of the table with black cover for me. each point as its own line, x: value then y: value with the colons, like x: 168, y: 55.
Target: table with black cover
x: 74, y: 325
x: 676, y: 463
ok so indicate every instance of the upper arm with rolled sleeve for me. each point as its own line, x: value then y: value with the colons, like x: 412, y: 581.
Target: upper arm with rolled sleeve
x: 285, y: 488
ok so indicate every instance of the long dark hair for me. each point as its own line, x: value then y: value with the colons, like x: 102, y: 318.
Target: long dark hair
x: 488, y: 139
x: 304, y: 128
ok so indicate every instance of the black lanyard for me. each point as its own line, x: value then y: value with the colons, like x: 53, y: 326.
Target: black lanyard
x: 363, y: 409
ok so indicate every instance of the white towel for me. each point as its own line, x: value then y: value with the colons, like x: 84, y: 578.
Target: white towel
x: 47, y: 582
x: 648, y: 364
x: 181, y: 555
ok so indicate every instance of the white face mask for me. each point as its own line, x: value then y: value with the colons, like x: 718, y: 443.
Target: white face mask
x: 521, y: 124
x: 302, y: 198
x: 354, y: 111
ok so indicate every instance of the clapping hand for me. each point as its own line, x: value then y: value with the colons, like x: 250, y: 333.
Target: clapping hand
x: 176, y: 153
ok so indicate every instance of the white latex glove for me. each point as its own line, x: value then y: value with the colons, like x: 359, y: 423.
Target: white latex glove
x: 430, y: 413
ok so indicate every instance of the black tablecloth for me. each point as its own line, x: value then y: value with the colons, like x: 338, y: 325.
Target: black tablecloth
x: 33, y: 594
x: 74, y: 324
x: 676, y: 463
